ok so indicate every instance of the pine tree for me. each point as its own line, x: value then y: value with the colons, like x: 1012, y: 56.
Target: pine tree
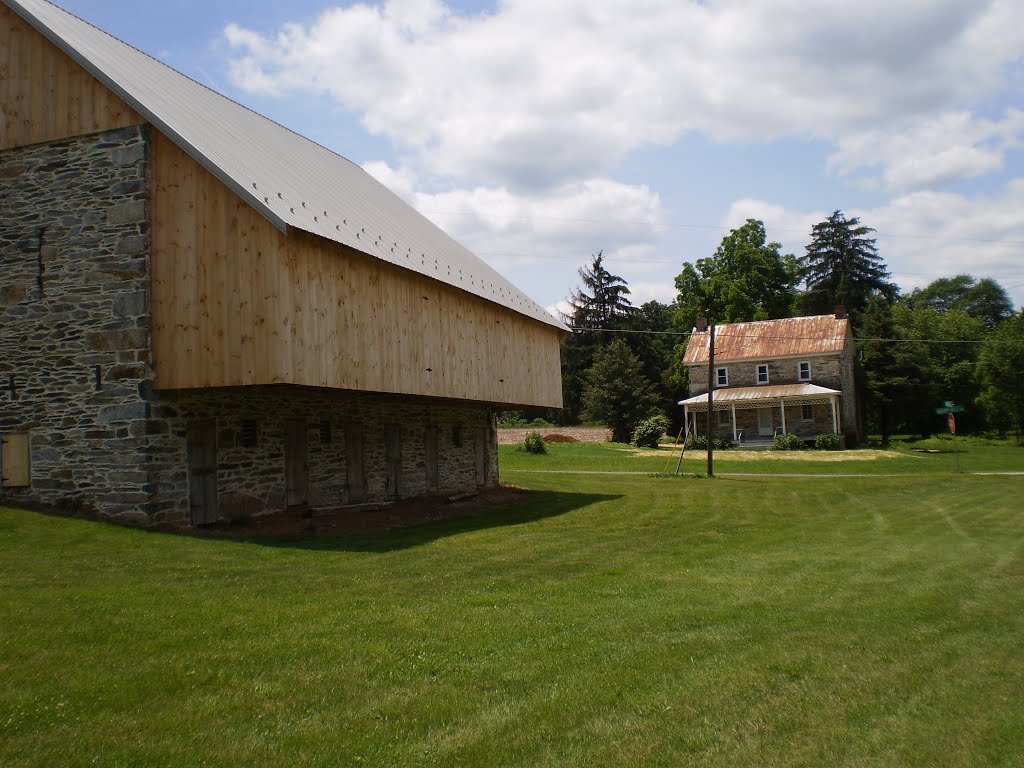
x: 600, y: 303
x: 616, y: 392
x: 842, y: 267
x: 598, y: 306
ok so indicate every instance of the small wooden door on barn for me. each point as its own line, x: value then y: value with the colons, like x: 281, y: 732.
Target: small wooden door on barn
x: 296, y: 464
x: 480, y: 445
x: 430, y: 459
x: 354, y: 469
x: 201, y: 446
x: 393, y: 460
x: 15, y: 461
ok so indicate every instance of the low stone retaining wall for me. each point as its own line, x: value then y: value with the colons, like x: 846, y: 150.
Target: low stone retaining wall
x: 512, y: 435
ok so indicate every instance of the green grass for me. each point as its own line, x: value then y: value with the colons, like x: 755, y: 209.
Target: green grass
x: 903, y: 458
x: 611, y: 621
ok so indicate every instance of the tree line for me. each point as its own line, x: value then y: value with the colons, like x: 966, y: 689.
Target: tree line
x: 959, y: 338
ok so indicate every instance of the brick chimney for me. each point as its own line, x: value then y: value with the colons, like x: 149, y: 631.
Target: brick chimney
x: 840, y: 312
x: 702, y: 325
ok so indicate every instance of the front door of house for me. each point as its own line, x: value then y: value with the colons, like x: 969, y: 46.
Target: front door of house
x: 764, y: 422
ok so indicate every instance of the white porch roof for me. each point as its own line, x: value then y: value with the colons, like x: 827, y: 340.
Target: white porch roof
x: 772, y: 393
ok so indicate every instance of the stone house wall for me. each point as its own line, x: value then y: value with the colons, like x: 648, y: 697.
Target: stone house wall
x: 76, y: 376
x: 747, y: 421
x: 834, y: 371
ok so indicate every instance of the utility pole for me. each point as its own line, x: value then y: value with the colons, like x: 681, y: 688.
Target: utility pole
x: 711, y: 398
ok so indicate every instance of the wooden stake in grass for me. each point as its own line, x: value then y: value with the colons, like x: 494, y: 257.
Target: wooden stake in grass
x: 711, y: 398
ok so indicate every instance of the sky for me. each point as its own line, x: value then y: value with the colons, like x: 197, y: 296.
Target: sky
x: 540, y: 132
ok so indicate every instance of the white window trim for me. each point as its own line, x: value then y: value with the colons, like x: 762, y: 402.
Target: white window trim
x: 718, y: 371
x: 757, y: 373
x: 799, y: 370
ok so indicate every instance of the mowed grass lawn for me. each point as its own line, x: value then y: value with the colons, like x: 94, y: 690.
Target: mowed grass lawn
x: 612, y: 620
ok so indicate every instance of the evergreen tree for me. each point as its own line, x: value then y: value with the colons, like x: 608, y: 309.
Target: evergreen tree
x: 896, y: 381
x: 600, y: 303
x: 842, y: 267
x: 616, y: 392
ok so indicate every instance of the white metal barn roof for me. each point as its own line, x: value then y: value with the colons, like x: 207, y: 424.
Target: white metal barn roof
x: 291, y: 180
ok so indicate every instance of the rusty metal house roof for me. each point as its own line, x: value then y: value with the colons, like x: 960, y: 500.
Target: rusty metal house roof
x: 764, y: 339
x: 292, y: 181
x: 769, y: 393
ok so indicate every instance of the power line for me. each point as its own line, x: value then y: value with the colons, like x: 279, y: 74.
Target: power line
x: 879, y: 234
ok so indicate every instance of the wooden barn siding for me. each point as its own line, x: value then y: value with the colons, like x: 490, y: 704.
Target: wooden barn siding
x: 236, y: 302
x: 44, y: 95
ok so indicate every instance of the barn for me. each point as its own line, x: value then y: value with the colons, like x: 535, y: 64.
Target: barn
x: 205, y: 315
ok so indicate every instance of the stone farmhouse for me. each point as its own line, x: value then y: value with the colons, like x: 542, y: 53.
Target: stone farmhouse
x: 788, y: 376
x: 205, y: 315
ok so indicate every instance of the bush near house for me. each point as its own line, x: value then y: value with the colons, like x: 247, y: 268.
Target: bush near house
x: 700, y: 443
x: 827, y: 441
x: 649, y: 431
x: 788, y: 443
x: 534, y: 443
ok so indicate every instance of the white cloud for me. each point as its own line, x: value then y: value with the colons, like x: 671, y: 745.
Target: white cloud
x: 951, y: 147
x: 567, y: 223
x: 401, y: 181
x: 789, y: 228
x: 923, y: 236
x: 538, y: 93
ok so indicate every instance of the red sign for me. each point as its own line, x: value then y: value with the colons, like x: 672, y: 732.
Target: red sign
x: 952, y: 424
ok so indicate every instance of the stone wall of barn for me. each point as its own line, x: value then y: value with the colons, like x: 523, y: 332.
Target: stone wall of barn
x: 74, y: 318
x: 76, y: 375
x: 251, y: 447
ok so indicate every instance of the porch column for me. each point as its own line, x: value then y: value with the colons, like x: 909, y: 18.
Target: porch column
x: 782, y: 407
x: 686, y: 423
x: 835, y: 413
x: 732, y: 410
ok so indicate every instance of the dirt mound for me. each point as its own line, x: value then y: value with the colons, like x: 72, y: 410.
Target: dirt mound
x: 556, y: 438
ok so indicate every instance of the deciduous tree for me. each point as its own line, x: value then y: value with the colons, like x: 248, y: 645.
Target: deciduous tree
x: 1001, y: 373
x: 747, y: 278
x: 983, y: 299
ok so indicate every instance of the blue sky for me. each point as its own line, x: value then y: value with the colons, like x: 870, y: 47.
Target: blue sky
x: 538, y: 133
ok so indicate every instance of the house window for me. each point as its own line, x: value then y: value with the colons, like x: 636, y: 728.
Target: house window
x: 723, y: 419
x: 722, y: 377
x: 762, y: 374
x: 807, y: 412
x: 804, y: 372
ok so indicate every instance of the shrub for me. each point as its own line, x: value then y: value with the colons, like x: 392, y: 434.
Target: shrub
x: 827, y: 441
x: 649, y: 431
x: 539, y: 423
x: 534, y: 443
x: 700, y: 443
x: 788, y: 443
x: 511, y: 419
